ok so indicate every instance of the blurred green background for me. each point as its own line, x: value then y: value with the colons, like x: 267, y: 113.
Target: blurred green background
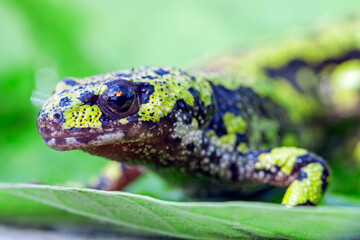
x: 42, y: 41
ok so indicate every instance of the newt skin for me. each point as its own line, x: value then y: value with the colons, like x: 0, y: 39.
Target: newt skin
x: 231, y: 131
x: 185, y: 127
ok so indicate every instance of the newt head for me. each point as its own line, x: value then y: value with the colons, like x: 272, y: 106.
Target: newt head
x: 143, y: 104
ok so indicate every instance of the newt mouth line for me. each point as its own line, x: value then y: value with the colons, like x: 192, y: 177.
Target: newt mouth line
x: 80, y: 142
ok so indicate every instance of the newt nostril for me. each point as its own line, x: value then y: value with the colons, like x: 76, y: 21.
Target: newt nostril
x: 56, y: 116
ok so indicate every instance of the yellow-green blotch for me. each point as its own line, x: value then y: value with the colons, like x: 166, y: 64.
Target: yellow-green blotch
x: 166, y: 93
x: 203, y: 86
x: 84, y: 116
x: 243, y: 148
x: 123, y: 121
x: 228, y: 139
x: 234, y: 124
x: 283, y: 157
x: 309, y: 189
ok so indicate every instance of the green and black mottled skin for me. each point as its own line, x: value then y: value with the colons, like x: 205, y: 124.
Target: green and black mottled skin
x: 211, y: 132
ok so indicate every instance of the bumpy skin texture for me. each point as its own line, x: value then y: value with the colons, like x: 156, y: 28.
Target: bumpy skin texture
x: 214, y: 133
x: 186, y: 127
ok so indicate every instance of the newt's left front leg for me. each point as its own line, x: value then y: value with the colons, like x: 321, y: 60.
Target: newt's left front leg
x: 116, y: 176
x: 306, y: 174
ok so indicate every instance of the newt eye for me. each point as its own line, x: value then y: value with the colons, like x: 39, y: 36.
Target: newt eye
x: 119, y: 99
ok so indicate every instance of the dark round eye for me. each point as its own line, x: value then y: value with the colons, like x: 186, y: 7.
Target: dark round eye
x: 119, y: 98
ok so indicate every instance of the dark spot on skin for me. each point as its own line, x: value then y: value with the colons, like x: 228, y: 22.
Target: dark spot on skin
x: 60, y: 141
x: 145, y: 91
x: 311, y: 158
x: 105, y: 119
x: 149, y: 77
x: 302, y: 176
x: 308, y: 203
x: 69, y: 82
x: 200, y: 111
x: 239, y: 102
x: 161, y: 72
x: 88, y: 98
x: 290, y: 70
x: 218, y: 125
x: 46, y: 140
x: 234, y: 172
x: 213, y: 158
x: 190, y: 147
x: 304, y: 159
x: 241, y: 138
x: 64, y: 102
x: 64, y: 91
x: 186, y: 113
x: 79, y: 88
x: 324, y: 176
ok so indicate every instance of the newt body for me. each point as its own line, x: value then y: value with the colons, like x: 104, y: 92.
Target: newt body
x: 208, y: 132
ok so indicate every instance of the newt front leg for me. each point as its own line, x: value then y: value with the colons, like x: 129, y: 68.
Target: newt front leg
x: 116, y: 176
x: 306, y: 174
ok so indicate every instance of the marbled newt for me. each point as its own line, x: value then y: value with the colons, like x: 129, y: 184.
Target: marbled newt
x: 230, y: 131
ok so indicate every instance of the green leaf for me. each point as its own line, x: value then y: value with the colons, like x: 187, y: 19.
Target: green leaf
x: 200, y: 220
